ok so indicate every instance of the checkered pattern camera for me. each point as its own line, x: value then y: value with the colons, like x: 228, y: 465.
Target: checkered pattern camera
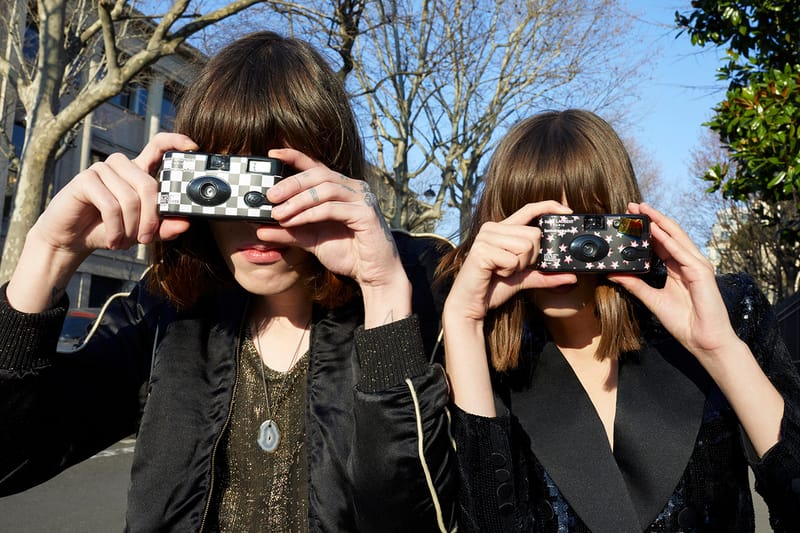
x: 195, y: 184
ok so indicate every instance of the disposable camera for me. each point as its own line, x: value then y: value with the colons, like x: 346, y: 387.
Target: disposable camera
x: 597, y: 243
x: 195, y: 184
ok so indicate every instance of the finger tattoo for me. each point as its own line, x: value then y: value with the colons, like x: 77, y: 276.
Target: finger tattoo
x: 314, y: 194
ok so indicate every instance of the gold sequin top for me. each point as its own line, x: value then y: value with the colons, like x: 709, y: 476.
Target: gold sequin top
x: 256, y: 490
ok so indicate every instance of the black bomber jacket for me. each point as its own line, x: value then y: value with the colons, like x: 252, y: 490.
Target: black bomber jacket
x: 379, y: 453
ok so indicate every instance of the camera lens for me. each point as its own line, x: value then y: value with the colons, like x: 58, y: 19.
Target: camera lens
x: 588, y: 248
x: 208, y: 191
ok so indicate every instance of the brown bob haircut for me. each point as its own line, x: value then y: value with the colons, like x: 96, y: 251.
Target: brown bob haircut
x: 573, y: 154
x: 260, y: 92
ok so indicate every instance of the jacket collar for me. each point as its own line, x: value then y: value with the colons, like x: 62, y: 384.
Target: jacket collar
x: 660, y: 401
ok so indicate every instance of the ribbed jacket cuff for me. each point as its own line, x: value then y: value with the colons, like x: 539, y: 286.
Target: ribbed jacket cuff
x: 25, y: 337
x: 389, y: 354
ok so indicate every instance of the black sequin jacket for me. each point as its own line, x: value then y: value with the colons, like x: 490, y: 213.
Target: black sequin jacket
x: 380, y: 457
x: 680, y: 459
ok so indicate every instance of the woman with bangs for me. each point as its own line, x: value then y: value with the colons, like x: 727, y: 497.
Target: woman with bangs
x: 600, y: 402
x: 276, y: 374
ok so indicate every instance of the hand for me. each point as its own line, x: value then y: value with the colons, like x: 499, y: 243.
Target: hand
x: 500, y: 262
x: 689, y: 305
x: 337, y: 219
x: 112, y: 204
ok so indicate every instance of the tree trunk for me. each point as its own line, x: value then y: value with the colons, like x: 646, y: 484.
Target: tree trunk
x: 27, y: 201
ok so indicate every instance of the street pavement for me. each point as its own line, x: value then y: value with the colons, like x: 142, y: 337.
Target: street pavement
x: 87, y: 498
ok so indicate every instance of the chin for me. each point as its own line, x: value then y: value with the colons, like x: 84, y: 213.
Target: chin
x: 268, y: 285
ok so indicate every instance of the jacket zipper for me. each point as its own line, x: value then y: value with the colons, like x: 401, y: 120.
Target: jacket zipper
x: 227, y: 421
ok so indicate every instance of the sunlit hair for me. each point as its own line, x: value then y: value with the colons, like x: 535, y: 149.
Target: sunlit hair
x: 573, y: 154
x: 260, y: 92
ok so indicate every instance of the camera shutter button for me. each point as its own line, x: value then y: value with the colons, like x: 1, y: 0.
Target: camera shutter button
x: 631, y: 254
x: 255, y: 199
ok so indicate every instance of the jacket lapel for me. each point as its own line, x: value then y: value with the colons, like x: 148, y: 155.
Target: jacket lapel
x: 569, y: 441
x: 660, y: 405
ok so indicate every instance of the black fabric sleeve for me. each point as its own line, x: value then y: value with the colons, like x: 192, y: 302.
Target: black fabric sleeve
x: 777, y: 473
x: 57, y: 409
x: 388, y: 354
x: 25, y: 338
x: 403, y: 462
x: 485, y: 462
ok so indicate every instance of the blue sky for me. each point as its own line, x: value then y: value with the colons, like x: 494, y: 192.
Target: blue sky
x: 679, y: 93
x: 675, y: 97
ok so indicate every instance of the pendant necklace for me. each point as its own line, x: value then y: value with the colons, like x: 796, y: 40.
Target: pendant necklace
x: 269, y: 436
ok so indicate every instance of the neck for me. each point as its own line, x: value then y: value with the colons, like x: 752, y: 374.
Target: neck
x: 279, y: 324
x: 578, y: 334
x: 292, y: 307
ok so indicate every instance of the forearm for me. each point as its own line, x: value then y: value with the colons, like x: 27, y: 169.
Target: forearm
x: 41, y: 276
x: 755, y: 400
x: 467, y: 365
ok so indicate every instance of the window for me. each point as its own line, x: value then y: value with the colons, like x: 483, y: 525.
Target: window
x: 168, y: 109
x: 95, y: 156
x: 18, y: 138
x: 133, y: 98
x: 30, y: 43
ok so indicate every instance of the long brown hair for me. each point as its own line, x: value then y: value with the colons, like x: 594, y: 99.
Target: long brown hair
x: 260, y: 92
x: 573, y: 154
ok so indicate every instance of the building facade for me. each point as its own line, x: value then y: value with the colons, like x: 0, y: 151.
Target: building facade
x: 123, y: 124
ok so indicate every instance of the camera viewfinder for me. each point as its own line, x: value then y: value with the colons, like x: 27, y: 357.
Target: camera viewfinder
x: 592, y: 222
x: 218, y: 162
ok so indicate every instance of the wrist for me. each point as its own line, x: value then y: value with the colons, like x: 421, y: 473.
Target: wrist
x: 41, y: 276
x: 386, y: 303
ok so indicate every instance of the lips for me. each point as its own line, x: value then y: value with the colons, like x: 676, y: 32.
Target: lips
x: 262, y: 254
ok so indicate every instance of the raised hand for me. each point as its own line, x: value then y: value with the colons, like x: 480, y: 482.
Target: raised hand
x: 337, y: 219
x: 500, y: 261
x: 498, y: 265
x: 110, y: 205
x: 689, y: 305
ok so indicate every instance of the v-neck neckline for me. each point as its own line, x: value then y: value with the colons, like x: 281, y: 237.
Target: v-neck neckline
x: 659, y: 406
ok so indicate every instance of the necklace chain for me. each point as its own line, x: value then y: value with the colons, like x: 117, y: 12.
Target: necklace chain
x: 269, y: 435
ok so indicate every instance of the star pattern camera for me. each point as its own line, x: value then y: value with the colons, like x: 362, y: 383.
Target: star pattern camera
x: 596, y: 243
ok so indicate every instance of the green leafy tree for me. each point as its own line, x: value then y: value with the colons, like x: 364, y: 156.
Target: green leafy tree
x: 758, y: 120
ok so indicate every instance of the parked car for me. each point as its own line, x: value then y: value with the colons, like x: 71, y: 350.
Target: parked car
x: 77, y: 325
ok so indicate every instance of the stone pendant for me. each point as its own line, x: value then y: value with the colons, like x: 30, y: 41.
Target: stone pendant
x: 268, y: 436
